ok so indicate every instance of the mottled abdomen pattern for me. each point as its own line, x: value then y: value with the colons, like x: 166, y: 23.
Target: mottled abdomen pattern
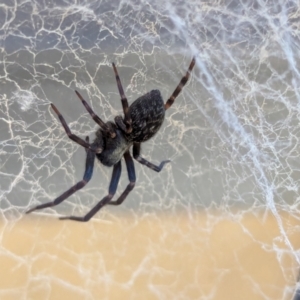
x: 147, y: 114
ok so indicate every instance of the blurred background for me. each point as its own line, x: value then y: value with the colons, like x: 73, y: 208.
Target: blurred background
x: 221, y: 221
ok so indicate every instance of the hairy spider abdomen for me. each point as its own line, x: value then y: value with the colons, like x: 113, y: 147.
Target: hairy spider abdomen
x: 113, y: 148
x: 147, y: 114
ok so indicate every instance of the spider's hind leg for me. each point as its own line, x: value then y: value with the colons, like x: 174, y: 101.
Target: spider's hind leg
x: 127, y: 120
x: 72, y: 136
x: 120, y: 123
x: 181, y: 84
x: 103, y: 125
x: 143, y: 161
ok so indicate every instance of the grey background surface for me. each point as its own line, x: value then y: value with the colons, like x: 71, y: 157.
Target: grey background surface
x: 232, y: 134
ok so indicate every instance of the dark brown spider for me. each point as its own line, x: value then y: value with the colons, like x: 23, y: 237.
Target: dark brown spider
x: 142, y: 119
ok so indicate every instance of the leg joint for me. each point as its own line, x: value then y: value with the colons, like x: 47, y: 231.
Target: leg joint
x: 137, y: 157
x: 131, y: 185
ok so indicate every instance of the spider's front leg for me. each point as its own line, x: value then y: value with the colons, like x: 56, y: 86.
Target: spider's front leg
x: 131, y: 177
x: 143, y: 161
x: 89, y: 167
x: 112, y: 190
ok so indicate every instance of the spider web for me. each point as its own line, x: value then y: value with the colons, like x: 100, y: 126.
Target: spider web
x: 232, y: 135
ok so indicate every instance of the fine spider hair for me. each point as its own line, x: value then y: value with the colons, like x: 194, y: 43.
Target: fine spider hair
x: 141, y: 121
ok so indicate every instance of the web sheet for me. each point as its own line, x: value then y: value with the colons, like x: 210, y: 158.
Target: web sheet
x: 232, y: 137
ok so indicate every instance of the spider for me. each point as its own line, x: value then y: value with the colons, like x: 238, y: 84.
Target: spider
x: 141, y: 121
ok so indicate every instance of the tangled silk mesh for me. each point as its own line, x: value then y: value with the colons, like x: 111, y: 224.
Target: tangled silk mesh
x: 232, y: 135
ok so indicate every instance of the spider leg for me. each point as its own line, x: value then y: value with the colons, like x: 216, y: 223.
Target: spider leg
x: 131, y: 177
x: 112, y: 190
x: 95, y: 117
x: 127, y: 119
x: 143, y: 161
x: 72, y: 136
x: 89, y: 166
x: 181, y: 84
x: 120, y: 123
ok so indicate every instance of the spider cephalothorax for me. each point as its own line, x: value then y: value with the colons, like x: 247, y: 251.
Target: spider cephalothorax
x: 141, y: 121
